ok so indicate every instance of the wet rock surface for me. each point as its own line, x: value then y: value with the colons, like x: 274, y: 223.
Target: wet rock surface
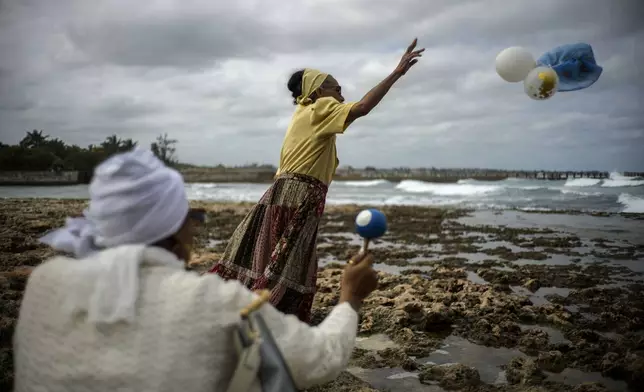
x: 524, y: 371
x: 496, y: 287
x: 450, y: 377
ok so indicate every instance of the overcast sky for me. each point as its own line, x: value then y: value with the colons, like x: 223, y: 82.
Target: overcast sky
x: 213, y: 75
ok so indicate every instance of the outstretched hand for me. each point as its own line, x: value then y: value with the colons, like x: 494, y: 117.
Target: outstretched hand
x: 409, y: 58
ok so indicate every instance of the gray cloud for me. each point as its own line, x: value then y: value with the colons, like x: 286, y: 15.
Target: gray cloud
x: 213, y: 76
x: 184, y: 41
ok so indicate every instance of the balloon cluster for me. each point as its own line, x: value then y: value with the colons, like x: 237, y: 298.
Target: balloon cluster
x: 516, y: 64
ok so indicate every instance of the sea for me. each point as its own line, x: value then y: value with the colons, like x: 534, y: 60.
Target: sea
x: 616, y: 194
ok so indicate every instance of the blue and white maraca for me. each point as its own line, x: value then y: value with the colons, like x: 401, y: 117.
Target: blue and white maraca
x: 370, y: 224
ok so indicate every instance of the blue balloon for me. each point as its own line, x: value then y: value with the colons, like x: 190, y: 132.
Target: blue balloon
x: 574, y: 64
x: 371, y: 224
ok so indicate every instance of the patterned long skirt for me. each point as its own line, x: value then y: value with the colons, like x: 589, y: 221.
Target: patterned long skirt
x: 274, y: 247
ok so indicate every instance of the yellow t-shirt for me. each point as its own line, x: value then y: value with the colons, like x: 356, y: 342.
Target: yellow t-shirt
x: 309, y: 144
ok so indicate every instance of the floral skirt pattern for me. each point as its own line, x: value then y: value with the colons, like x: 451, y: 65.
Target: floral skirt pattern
x: 274, y: 247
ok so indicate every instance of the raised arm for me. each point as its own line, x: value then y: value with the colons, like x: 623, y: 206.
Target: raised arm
x: 375, y: 95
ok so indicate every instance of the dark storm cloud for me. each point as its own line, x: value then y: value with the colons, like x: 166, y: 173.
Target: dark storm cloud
x: 186, y: 41
x: 213, y: 76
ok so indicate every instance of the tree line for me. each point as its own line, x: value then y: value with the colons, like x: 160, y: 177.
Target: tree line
x: 40, y: 152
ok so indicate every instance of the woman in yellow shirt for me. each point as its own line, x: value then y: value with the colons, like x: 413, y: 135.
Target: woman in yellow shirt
x: 274, y: 247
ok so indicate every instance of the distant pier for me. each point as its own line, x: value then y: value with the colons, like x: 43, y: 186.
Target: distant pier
x: 559, y: 175
x: 454, y: 175
x: 565, y: 175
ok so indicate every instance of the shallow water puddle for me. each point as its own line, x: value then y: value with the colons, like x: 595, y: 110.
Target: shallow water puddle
x: 573, y: 308
x: 420, y: 259
x: 389, y: 379
x: 616, y: 336
x: 322, y: 261
x: 213, y: 243
x: 487, y: 360
x: 576, y: 377
x: 393, y: 380
x: 615, y: 228
x: 396, y: 270
x: 633, y: 265
x: 503, y: 268
x: 472, y: 258
x: 332, y: 223
x: 353, y: 239
x: 476, y: 278
x: 375, y: 342
x: 553, y: 259
x: 610, y: 335
x: 539, y: 297
x: 543, y: 291
x: 502, y: 244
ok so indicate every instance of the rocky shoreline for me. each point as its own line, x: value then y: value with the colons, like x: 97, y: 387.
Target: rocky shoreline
x: 459, y: 307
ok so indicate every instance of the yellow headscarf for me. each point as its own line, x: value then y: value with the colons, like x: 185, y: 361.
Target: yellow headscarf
x: 311, y: 81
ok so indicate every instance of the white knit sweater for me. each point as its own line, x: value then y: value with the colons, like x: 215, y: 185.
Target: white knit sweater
x: 180, y: 339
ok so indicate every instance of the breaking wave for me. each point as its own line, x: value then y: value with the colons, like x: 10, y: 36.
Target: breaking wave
x: 632, y: 204
x: 413, y: 186
x: 365, y: 183
x: 616, y: 180
x: 582, y: 182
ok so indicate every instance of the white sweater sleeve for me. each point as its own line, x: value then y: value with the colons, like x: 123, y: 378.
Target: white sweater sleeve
x: 315, y: 355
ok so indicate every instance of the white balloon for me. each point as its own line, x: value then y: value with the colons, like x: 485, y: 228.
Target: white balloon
x: 541, y: 83
x: 513, y: 64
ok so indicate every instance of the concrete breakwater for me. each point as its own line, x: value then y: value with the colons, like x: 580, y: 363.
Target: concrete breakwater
x: 42, y: 178
x: 210, y: 175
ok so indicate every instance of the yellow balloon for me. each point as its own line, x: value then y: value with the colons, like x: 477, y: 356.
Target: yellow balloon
x: 541, y: 83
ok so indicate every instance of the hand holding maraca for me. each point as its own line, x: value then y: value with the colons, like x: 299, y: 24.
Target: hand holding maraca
x: 359, y: 278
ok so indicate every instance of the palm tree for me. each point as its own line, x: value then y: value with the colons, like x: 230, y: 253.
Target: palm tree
x: 33, y: 139
x: 164, y: 149
x: 127, y: 145
x: 112, y: 144
x: 57, y: 146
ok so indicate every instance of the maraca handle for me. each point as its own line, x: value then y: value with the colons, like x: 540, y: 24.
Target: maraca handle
x: 363, y: 250
x: 365, y: 245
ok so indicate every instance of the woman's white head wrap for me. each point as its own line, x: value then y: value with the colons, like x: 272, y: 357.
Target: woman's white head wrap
x: 135, y: 200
